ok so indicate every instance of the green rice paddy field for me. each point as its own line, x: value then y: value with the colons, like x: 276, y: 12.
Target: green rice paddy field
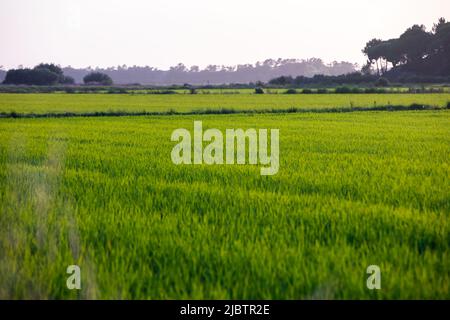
x: 82, y: 103
x: 353, y: 190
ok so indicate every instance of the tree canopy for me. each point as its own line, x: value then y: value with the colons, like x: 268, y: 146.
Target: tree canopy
x: 416, y: 51
x: 42, y: 74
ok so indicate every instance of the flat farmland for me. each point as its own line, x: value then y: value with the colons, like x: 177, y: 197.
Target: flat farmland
x: 87, y: 103
x: 353, y: 189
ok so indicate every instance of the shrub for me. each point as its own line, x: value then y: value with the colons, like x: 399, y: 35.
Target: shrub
x: 291, y: 91
x: 167, y: 92
x: 282, y: 81
x: 343, y: 90
x: 259, y: 90
x: 370, y: 90
x: 117, y: 91
x: 162, y: 92
x: 98, y: 78
x: 322, y: 90
x: 307, y: 91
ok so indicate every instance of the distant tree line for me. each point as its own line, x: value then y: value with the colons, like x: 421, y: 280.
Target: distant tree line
x: 416, y: 56
x: 355, y: 78
x: 214, y: 74
x: 416, y: 52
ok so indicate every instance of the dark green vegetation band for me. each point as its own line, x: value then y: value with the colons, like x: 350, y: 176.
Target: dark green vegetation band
x: 217, y: 111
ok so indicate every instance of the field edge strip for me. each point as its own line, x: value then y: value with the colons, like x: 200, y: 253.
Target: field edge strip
x: 218, y: 111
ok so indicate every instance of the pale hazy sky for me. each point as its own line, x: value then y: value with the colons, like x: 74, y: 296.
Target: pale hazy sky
x: 200, y: 32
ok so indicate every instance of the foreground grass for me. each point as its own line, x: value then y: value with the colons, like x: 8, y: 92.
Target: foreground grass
x: 84, y: 103
x: 353, y: 189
